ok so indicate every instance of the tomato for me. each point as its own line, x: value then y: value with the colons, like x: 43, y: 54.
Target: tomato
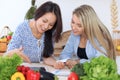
x: 23, y: 68
x: 24, y: 73
x: 19, y: 68
x: 9, y: 37
x: 73, y: 76
x: 27, y: 68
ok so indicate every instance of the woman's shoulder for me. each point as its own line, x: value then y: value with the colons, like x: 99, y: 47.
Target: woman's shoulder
x: 23, y: 26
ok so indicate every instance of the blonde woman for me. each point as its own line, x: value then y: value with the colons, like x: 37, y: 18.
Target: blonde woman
x: 89, y: 38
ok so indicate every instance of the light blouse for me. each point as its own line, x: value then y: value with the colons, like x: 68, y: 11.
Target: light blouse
x: 23, y: 37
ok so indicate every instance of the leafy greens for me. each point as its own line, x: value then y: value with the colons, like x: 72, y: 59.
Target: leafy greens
x: 100, y: 68
x: 8, y: 66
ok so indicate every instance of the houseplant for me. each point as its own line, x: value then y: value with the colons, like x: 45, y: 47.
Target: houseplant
x: 30, y: 12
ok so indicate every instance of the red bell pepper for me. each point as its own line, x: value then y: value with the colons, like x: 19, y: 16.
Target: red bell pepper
x: 32, y: 75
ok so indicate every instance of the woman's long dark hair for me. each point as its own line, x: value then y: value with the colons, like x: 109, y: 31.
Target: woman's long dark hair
x: 55, y: 33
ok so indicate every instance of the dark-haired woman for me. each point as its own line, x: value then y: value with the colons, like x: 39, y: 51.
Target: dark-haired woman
x: 33, y: 39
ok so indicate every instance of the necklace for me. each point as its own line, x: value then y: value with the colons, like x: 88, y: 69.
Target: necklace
x: 39, y: 50
x: 37, y: 36
x: 38, y: 42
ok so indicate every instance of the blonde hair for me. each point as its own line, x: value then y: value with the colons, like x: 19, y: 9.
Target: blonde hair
x: 95, y: 30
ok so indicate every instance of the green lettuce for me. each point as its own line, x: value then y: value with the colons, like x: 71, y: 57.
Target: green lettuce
x: 99, y: 68
x: 8, y: 66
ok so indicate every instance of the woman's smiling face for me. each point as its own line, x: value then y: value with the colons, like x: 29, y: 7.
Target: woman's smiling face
x: 46, y: 22
x: 76, y: 26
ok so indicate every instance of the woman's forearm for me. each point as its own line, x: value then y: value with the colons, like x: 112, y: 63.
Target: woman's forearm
x: 49, y: 61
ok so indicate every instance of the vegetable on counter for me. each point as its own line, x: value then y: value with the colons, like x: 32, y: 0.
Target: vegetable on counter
x: 73, y: 76
x: 32, y: 75
x: 23, y: 69
x: 47, y: 75
x: 17, y: 76
x: 99, y: 68
x: 8, y: 66
x: 78, y: 69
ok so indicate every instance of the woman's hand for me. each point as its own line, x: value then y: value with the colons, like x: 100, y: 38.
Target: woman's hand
x: 71, y: 63
x: 20, y: 53
x: 59, y: 65
x: 49, y: 61
x: 52, y: 62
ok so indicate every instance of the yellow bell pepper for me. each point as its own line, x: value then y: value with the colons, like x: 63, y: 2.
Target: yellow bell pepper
x: 18, y: 76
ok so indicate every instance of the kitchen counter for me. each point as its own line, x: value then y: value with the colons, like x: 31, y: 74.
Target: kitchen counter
x: 63, y: 73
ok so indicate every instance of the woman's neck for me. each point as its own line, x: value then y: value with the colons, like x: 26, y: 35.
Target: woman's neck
x: 83, y: 41
x: 34, y: 29
x: 83, y: 37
